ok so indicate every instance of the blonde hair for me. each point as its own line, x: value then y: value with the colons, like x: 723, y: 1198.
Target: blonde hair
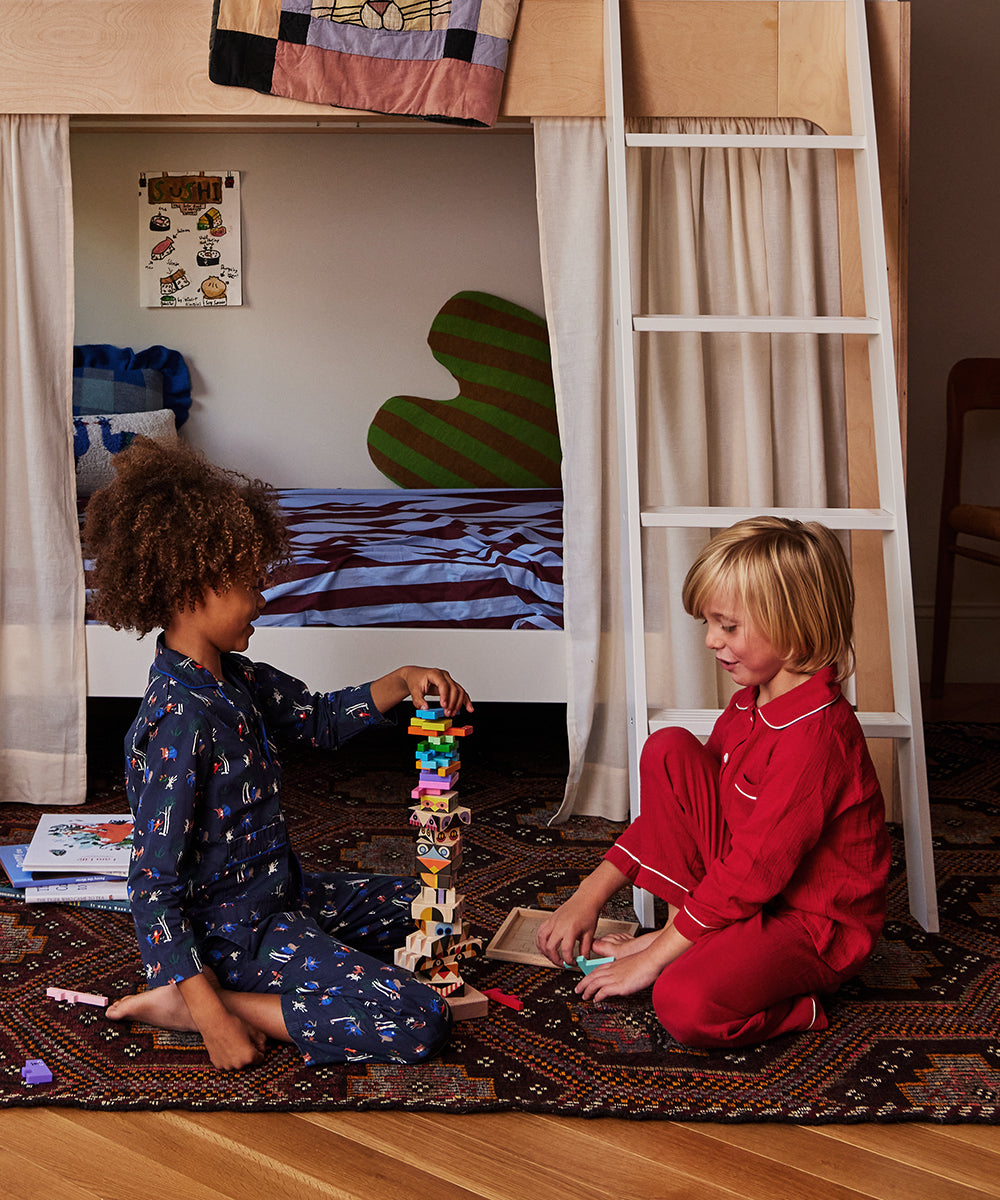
x: 792, y: 579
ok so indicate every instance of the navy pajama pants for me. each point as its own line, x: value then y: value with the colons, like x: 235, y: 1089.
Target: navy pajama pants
x: 331, y: 963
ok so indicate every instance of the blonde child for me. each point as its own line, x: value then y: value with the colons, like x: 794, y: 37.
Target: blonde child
x: 769, y: 843
x: 238, y: 942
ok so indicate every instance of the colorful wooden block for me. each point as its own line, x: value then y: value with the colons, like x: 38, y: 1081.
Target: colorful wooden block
x: 469, y: 1004
x: 442, y: 878
x: 429, y: 819
x: 35, y: 1072
x: 421, y: 911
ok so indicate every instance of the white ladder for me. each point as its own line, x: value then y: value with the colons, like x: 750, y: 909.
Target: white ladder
x: 904, y: 723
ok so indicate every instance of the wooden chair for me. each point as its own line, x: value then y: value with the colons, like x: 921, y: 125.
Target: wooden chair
x: 973, y: 383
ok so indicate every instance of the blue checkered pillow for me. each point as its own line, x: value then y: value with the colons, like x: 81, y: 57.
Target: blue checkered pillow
x: 97, y: 390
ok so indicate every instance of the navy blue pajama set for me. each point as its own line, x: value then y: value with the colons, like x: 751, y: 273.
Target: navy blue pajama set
x: 214, y: 881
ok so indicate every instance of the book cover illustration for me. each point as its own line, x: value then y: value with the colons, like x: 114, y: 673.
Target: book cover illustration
x: 96, y: 843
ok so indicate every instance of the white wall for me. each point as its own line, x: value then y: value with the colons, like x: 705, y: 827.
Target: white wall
x: 351, y: 244
x: 954, y: 275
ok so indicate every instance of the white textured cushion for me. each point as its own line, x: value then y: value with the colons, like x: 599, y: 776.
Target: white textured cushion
x: 97, y: 438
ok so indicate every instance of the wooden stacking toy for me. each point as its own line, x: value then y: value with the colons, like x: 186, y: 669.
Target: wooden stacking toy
x: 441, y: 938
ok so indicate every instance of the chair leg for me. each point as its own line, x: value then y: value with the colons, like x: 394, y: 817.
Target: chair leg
x: 942, y: 610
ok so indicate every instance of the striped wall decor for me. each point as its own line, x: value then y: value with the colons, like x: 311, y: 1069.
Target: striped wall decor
x: 500, y: 430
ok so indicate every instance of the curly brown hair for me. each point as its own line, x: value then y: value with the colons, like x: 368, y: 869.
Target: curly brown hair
x: 170, y: 525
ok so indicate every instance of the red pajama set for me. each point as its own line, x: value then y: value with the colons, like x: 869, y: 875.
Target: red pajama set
x: 771, y: 842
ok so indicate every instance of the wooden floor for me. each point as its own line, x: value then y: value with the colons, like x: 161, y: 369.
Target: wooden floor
x: 64, y: 1154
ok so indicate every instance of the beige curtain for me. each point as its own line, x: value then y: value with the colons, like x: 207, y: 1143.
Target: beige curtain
x: 42, y: 651
x: 729, y: 419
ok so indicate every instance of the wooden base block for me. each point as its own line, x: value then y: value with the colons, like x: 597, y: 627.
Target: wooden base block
x: 468, y: 1004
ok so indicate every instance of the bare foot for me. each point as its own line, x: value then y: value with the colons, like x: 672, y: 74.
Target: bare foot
x: 621, y: 945
x: 163, y: 1007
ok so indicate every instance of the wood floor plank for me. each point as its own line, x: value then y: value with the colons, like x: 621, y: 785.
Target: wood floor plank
x: 25, y: 1178
x: 519, y: 1155
x: 172, y: 1140
x: 959, y: 1163
x: 77, y: 1152
x: 865, y: 1164
x: 985, y: 1138
x: 331, y: 1157
x: 744, y: 1172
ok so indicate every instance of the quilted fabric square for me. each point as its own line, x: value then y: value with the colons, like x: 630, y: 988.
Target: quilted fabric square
x: 442, y: 60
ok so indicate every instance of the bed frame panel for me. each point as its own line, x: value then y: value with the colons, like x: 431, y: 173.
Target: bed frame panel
x: 144, y: 62
x: 507, y: 665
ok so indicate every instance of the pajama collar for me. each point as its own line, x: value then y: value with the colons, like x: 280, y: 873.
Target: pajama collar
x: 819, y: 691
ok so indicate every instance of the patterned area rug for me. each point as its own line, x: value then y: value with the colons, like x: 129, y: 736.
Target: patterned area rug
x: 913, y: 1038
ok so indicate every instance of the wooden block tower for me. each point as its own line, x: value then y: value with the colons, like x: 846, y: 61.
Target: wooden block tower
x: 441, y: 939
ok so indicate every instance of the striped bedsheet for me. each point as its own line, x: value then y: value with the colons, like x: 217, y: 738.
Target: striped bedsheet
x: 473, y: 558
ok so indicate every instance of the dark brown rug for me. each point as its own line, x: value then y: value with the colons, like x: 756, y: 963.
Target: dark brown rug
x: 913, y: 1038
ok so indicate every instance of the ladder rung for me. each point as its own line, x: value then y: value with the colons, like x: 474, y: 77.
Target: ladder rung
x: 782, y: 141
x: 700, y: 721
x: 707, y: 517
x: 676, y: 323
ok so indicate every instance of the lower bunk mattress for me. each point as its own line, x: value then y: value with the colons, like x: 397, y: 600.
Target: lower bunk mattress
x: 483, y: 558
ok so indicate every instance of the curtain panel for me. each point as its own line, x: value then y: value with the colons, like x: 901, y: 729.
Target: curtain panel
x: 42, y: 648
x: 726, y: 419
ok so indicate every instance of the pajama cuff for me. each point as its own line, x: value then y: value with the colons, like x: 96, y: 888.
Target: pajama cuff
x: 685, y: 924
x: 644, y: 876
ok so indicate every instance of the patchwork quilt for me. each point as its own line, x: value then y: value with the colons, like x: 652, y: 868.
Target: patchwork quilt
x: 437, y: 59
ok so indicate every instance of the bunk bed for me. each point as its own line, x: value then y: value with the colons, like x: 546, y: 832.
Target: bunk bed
x: 142, y: 64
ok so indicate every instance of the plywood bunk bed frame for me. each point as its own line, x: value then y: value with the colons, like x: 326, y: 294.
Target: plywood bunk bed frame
x: 143, y: 64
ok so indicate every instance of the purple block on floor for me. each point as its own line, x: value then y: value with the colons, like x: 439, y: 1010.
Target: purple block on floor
x: 35, y: 1071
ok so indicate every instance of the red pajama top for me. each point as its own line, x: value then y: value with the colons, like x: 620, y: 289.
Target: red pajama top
x: 805, y: 813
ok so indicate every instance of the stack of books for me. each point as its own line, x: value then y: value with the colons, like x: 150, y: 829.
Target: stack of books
x: 81, y: 860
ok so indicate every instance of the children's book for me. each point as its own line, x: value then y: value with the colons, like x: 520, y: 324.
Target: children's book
x: 12, y: 860
x: 91, y: 843
x: 59, y: 893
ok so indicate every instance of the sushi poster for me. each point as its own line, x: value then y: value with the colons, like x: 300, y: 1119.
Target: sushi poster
x: 189, y: 239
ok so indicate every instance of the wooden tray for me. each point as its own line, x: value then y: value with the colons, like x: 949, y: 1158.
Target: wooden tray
x: 514, y: 941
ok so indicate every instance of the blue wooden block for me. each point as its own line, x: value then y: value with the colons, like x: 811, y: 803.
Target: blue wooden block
x: 587, y: 965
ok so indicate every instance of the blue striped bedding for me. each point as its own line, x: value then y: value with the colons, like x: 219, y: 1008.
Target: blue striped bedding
x: 468, y: 558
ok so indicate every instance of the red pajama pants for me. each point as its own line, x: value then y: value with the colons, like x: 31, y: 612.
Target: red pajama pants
x: 748, y: 981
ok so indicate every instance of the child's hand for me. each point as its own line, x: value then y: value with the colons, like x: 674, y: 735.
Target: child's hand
x: 420, y: 682
x: 621, y: 977
x: 572, y: 924
x: 638, y: 964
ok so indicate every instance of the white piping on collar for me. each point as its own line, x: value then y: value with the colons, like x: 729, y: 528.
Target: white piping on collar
x: 801, y: 717
x: 794, y: 720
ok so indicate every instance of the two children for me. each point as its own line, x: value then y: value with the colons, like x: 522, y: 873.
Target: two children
x: 769, y: 843
x: 238, y: 942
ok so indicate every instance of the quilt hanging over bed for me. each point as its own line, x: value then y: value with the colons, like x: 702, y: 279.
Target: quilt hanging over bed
x: 439, y: 59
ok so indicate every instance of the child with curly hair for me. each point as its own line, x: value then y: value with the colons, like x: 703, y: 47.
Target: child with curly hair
x: 238, y: 942
x: 769, y: 843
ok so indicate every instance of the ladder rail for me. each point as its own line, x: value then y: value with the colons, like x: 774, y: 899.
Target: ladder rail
x: 891, y: 480
x: 903, y: 724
